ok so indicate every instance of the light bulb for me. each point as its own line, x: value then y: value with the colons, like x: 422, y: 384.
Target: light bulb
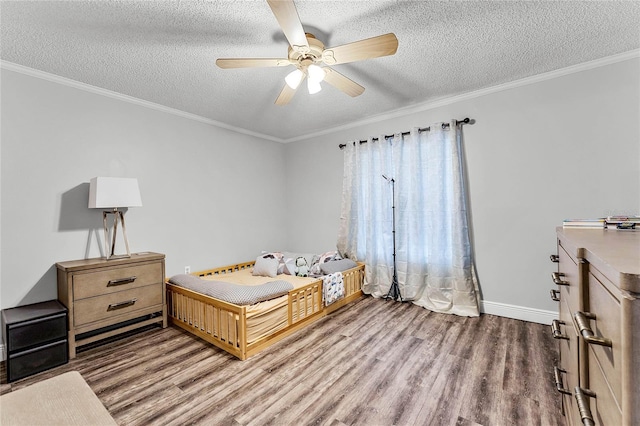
x: 294, y: 78
x: 313, y: 86
x: 315, y: 73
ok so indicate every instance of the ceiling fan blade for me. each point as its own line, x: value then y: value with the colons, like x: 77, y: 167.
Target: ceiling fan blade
x: 343, y: 83
x: 251, y: 62
x: 286, y: 95
x: 287, y: 16
x: 373, y: 47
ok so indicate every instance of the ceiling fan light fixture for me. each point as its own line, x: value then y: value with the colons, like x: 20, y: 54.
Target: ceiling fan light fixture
x: 310, y: 57
x: 313, y: 86
x: 294, y: 78
x: 316, y: 73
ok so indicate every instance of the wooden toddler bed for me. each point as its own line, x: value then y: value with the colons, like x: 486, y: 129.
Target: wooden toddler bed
x: 237, y: 329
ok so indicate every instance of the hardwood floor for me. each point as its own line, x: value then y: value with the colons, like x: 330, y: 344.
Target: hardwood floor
x: 373, y: 362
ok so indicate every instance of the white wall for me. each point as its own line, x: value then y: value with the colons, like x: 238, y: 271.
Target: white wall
x: 564, y: 147
x: 210, y: 196
x: 537, y: 154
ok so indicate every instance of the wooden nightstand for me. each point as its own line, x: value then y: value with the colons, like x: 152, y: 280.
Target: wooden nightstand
x: 35, y: 337
x: 110, y: 297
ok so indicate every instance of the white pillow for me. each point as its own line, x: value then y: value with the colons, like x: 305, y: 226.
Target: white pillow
x: 279, y: 257
x: 289, y: 266
x: 266, y: 267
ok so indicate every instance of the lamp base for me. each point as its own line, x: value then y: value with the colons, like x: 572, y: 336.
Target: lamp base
x: 110, y: 251
x: 118, y: 256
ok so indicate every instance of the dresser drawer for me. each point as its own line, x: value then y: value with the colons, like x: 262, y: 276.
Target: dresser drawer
x: 569, y: 359
x: 114, y: 304
x: 569, y: 269
x: 604, y: 407
x: 36, y: 332
x: 607, y: 311
x: 116, y: 279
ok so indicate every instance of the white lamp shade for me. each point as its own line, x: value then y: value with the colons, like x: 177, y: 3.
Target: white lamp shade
x: 294, y: 78
x: 316, y: 73
x: 313, y: 86
x: 111, y: 192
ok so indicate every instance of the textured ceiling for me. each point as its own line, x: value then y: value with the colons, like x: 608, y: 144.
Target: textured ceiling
x: 165, y: 52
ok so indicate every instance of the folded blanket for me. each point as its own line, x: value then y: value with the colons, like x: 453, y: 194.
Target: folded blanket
x: 332, y: 288
x: 233, y: 293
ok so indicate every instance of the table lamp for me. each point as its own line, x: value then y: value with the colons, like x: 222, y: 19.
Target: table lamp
x: 114, y: 193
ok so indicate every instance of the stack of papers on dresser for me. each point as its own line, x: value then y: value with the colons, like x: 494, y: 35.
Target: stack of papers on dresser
x: 585, y: 223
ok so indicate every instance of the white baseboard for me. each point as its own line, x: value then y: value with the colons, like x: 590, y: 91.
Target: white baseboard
x: 518, y: 312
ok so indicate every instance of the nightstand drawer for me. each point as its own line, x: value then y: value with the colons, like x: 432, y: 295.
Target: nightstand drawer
x: 36, y: 332
x: 116, y: 279
x: 111, y: 305
x: 36, y: 360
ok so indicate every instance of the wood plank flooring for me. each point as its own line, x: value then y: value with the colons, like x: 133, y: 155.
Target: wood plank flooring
x: 373, y: 362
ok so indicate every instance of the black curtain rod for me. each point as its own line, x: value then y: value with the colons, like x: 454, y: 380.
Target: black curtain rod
x: 465, y: 120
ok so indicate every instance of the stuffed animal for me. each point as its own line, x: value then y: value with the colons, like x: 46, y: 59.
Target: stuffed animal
x: 302, y: 269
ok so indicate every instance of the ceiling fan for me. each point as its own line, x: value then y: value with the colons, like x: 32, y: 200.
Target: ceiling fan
x: 306, y: 52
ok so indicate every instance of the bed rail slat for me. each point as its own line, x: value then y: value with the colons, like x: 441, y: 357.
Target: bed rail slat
x: 217, y: 322
x: 225, y: 269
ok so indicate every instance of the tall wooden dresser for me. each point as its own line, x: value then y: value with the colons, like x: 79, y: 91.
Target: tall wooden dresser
x: 109, y: 297
x: 598, y: 329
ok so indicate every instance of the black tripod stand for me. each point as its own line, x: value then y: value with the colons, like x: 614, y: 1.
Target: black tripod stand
x: 394, y: 290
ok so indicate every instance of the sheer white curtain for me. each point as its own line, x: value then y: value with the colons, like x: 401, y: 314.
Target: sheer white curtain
x: 433, y: 251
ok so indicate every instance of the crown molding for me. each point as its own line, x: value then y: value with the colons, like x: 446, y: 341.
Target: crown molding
x: 400, y: 112
x: 126, y: 98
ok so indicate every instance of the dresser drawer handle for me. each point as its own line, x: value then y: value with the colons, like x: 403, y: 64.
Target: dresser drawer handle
x: 121, y: 281
x: 557, y: 278
x: 554, y: 258
x: 555, y: 295
x: 555, y: 330
x: 120, y: 305
x: 583, y: 405
x: 582, y: 319
x: 556, y: 372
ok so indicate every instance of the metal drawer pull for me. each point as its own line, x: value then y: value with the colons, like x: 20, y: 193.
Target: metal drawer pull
x: 583, y: 405
x: 554, y: 258
x: 555, y: 330
x: 559, y: 388
x: 556, y: 276
x: 582, y: 319
x: 121, y: 281
x: 121, y: 305
x: 555, y: 295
